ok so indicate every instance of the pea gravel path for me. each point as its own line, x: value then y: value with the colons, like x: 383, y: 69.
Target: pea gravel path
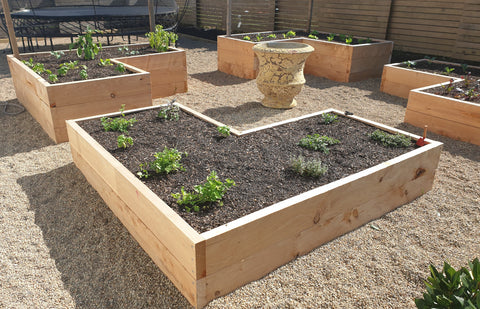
x: 61, y: 247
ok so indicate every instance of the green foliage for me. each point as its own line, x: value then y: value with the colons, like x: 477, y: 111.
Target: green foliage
x: 314, y: 32
x: 329, y: 118
x: 259, y: 38
x: 166, y: 162
x: 210, y: 192
x: 246, y: 38
x: 272, y: 36
x: 57, y: 54
x: 464, y: 68
x: 289, y: 34
x: 160, y: 39
x: 224, y: 130
x: 119, y: 123
x: 311, y: 168
x: 124, y: 141
x: 349, y: 40
x: 83, y: 74
x: 318, y: 143
x: 85, y: 45
x: 53, y: 78
x: 409, y: 64
x: 124, y: 50
x: 28, y: 63
x: 331, y: 37
x: 120, y: 67
x: 39, y: 68
x: 169, y: 112
x: 391, y: 140
x: 104, y: 63
x: 448, y: 71
x: 311, y: 36
x: 429, y: 59
x: 342, y: 37
x: 452, y: 289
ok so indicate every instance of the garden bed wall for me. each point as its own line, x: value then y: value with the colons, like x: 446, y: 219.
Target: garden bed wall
x: 214, y: 263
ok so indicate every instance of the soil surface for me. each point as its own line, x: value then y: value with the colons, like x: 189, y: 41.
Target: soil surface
x: 443, y: 68
x: 258, y: 162
x: 279, y: 35
x: 465, y: 90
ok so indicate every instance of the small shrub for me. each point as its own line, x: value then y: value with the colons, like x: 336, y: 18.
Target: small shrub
x: 451, y: 288
x: 119, y: 123
x: 53, y: 78
x: 204, y: 195
x: 28, y: 63
x: 83, y: 74
x: 160, y: 39
x: 311, y: 168
x: 224, y: 131
x: 166, y: 162
x: 317, y: 142
x: 289, y: 34
x: 124, y: 141
x: 391, y: 140
x: 120, y: 68
x: 169, y: 112
x: 328, y: 118
x: 85, y: 46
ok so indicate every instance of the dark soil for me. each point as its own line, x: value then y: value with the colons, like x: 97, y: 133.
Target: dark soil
x: 440, y: 68
x: 465, y: 90
x: 94, y: 70
x: 279, y: 35
x: 259, y: 162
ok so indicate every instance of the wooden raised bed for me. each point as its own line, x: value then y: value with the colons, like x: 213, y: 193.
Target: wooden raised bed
x: 211, y: 264
x: 398, y: 81
x: 168, y: 70
x: 336, y: 61
x: 52, y: 104
x: 446, y: 116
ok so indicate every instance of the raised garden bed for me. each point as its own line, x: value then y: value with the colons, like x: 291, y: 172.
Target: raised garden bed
x: 334, y: 60
x: 437, y: 107
x: 208, y: 264
x: 151, y: 75
x: 399, y: 78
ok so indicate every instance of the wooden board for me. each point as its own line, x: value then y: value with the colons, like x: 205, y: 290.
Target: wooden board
x: 450, y: 117
x: 208, y: 265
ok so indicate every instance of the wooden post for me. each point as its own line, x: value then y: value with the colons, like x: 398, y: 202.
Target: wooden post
x: 151, y: 15
x: 11, y: 30
x: 229, y: 18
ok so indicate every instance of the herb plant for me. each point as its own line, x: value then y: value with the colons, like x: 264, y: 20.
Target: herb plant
x: 464, y: 68
x: 28, y: 63
x: 224, y: 130
x: 124, y: 141
x: 311, y: 168
x: 391, y: 140
x: 272, y: 36
x: 311, y: 36
x: 53, y: 78
x: 318, y: 143
x: 290, y: 34
x: 205, y: 194
x: 83, y: 74
x: 166, y: 162
x: 57, y: 54
x: 169, y: 112
x: 160, y: 39
x: 452, y: 289
x: 349, y: 40
x: 104, y: 63
x: 410, y: 64
x: 85, y: 46
x: 259, y: 38
x: 119, y: 123
x: 120, y: 67
x: 329, y: 118
x: 246, y: 38
x: 448, y: 71
x: 331, y: 37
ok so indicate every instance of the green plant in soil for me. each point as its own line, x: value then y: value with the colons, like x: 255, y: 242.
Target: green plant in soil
x: 315, y: 33
x: 224, y: 131
x: 204, y: 195
x: 85, y: 46
x: 120, y: 67
x: 349, y: 40
x: 259, y: 38
x: 448, y: 70
x: 391, y: 140
x: 310, y: 168
x: 464, y: 68
x: 57, y: 54
x: 448, y: 87
x: 119, y: 123
x: 160, y: 39
x: 329, y: 118
x: 104, y: 63
x: 124, y: 141
x: 289, y: 34
x: 124, y: 50
x: 166, y: 162
x: 169, y: 112
x: 83, y: 73
x: 272, y: 36
x: 451, y: 289
x: 318, y: 143
x: 53, y: 78
x: 28, y: 63
x: 331, y: 37
x: 246, y: 38
x: 311, y: 36
x: 409, y: 64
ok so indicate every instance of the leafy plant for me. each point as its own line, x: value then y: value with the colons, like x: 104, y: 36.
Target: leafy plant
x: 272, y: 36
x: 342, y: 37
x: 85, y: 45
x: 448, y: 87
x: 160, y: 39
x: 311, y: 168
x: 125, y: 50
x: 124, y: 141
x: 349, y: 40
x: 311, y: 36
x: 205, y: 194
x: 246, y: 38
x: 391, y: 140
x: 83, y: 74
x: 448, y: 71
x: 28, y: 63
x: 169, y: 112
x: 39, y: 68
x: 119, y: 123
x: 318, y: 143
x: 331, y: 37
x: 409, y: 64
x: 104, y: 63
x: 329, y: 118
x: 224, y: 130
x: 120, y: 67
x: 289, y: 34
x: 464, y: 68
x: 53, y: 78
x: 57, y: 54
x: 166, y: 162
x: 314, y: 32
x: 259, y: 38
x: 451, y: 288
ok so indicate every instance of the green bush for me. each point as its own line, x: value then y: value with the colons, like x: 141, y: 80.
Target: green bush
x: 160, y: 39
x: 166, y: 161
x: 317, y: 142
x: 391, y: 140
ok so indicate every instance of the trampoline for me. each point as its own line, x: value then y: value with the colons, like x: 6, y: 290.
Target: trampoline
x: 71, y: 20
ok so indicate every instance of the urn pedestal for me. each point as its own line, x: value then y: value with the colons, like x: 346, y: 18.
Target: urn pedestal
x: 280, y: 76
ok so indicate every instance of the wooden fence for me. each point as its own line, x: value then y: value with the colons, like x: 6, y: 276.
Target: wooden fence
x: 435, y: 27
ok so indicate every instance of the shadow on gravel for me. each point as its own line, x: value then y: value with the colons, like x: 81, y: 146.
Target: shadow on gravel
x: 218, y: 78
x: 454, y: 147
x: 101, y: 265
x: 21, y: 132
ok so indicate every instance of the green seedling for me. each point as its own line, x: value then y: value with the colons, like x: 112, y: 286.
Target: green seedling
x: 83, y: 74
x: 331, y: 37
x: 28, y: 63
x: 246, y: 38
x: 104, y: 63
x: 224, y: 131
x: 57, y: 54
x: 391, y: 140
x: 120, y: 67
x: 166, y: 162
x: 329, y: 118
x: 310, y: 168
x: 272, y: 36
x: 410, y: 64
x: 448, y: 70
x: 169, y: 112
x: 85, y: 46
x: 160, y: 39
x: 119, y: 123
x: 290, y: 34
x: 318, y: 143
x: 311, y: 36
x: 258, y: 38
x: 124, y: 141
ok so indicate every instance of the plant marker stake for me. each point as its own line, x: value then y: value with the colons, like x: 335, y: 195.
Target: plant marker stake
x: 421, y: 141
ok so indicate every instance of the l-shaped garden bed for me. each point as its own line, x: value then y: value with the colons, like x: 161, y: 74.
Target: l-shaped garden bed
x: 213, y: 252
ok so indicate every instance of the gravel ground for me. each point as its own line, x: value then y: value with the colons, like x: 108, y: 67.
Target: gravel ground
x: 61, y: 247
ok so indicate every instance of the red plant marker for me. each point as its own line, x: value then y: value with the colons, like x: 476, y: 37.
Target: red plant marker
x: 421, y: 141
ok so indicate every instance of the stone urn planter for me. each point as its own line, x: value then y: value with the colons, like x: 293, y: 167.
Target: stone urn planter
x: 280, y: 77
